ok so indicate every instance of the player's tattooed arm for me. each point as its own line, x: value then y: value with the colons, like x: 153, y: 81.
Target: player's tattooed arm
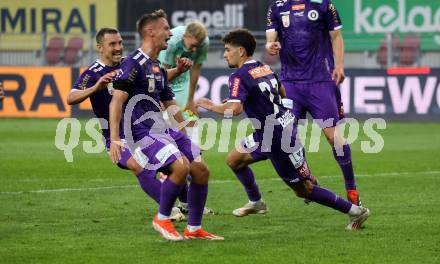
x: 118, y: 99
x: 338, y: 74
x: 235, y: 107
x: 77, y: 96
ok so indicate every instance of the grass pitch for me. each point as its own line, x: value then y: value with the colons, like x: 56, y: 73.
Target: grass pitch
x: 89, y: 211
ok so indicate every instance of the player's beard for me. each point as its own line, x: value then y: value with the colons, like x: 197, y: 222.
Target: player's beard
x: 232, y: 66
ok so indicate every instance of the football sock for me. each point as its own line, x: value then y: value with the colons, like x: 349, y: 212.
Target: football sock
x: 168, y: 195
x: 330, y: 199
x: 162, y: 217
x: 183, y: 195
x: 346, y: 165
x: 193, y: 228
x: 197, y: 195
x: 149, y: 183
x: 247, y: 179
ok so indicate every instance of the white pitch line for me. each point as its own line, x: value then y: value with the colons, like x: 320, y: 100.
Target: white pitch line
x: 211, y: 182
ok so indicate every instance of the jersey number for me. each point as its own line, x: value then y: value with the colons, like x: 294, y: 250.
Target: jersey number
x: 274, y: 98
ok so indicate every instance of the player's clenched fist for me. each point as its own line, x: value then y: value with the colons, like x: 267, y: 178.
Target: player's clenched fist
x: 273, y: 48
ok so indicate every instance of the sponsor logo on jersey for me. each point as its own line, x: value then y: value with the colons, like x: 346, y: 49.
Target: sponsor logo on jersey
x: 298, y: 7
x: 235, y: 86
x: 299, y: 14
x: 261, y: 71
x: 286, y: 119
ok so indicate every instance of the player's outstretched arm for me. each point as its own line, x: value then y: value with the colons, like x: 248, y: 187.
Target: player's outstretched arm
x: 235, y: 107
x: 78, y: 96
x: 115, y: 109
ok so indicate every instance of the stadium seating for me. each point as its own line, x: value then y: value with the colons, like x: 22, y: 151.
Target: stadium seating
x: 54, y: 49
x: 409, y: 50
x: 71, y: 53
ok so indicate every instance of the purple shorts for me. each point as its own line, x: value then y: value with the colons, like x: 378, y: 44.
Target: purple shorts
x: 190, y: 150
x: 322, y: 100
x: 291, y: 167
x: 158, y: 151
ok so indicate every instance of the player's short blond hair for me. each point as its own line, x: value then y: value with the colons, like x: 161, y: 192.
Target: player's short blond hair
x: 197, y: 30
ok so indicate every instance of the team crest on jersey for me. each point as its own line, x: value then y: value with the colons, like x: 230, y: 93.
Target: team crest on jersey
x: 286, y: 20
x: 235, y: 86
x: 313, y: 15
x: 151, y: 84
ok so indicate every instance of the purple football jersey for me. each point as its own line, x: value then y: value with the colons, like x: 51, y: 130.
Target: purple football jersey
x: 100, y: 100
x: 303, y: 28
x: 256, y: 87
x: 140, y: 75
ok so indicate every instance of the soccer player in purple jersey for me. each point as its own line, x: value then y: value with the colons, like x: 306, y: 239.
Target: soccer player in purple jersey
x: 141, y: 80
x: 306, y: 34
x: 254, y: 89
x: 93, y: 84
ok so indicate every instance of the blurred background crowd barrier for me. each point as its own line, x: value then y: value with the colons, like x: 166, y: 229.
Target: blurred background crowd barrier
x: 395, y: 42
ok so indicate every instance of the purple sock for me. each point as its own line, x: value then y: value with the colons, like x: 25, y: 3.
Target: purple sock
x: 168, y: 195
x: 328, y: 198
x: 183, y: 195
x: 197, y: 195
x: 246, y: 177
x: 149, y: 183
x: 344, y: 162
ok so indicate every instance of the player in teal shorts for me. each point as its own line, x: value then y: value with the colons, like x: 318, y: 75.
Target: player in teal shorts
x: 190, y: 41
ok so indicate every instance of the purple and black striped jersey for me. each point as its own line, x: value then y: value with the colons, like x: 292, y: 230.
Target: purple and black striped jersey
x: 303, y: 28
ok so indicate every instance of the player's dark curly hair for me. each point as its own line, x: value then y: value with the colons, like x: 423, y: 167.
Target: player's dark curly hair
x: 242, y: 38
x: 148, y: 18
x: 100, y: 35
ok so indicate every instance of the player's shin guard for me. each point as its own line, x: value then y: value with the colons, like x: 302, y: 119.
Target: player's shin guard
x: 168, y: 195
x: 330, y: 199
x: 343, y: 157
x: 149, y: 183
x: 246, y: 177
